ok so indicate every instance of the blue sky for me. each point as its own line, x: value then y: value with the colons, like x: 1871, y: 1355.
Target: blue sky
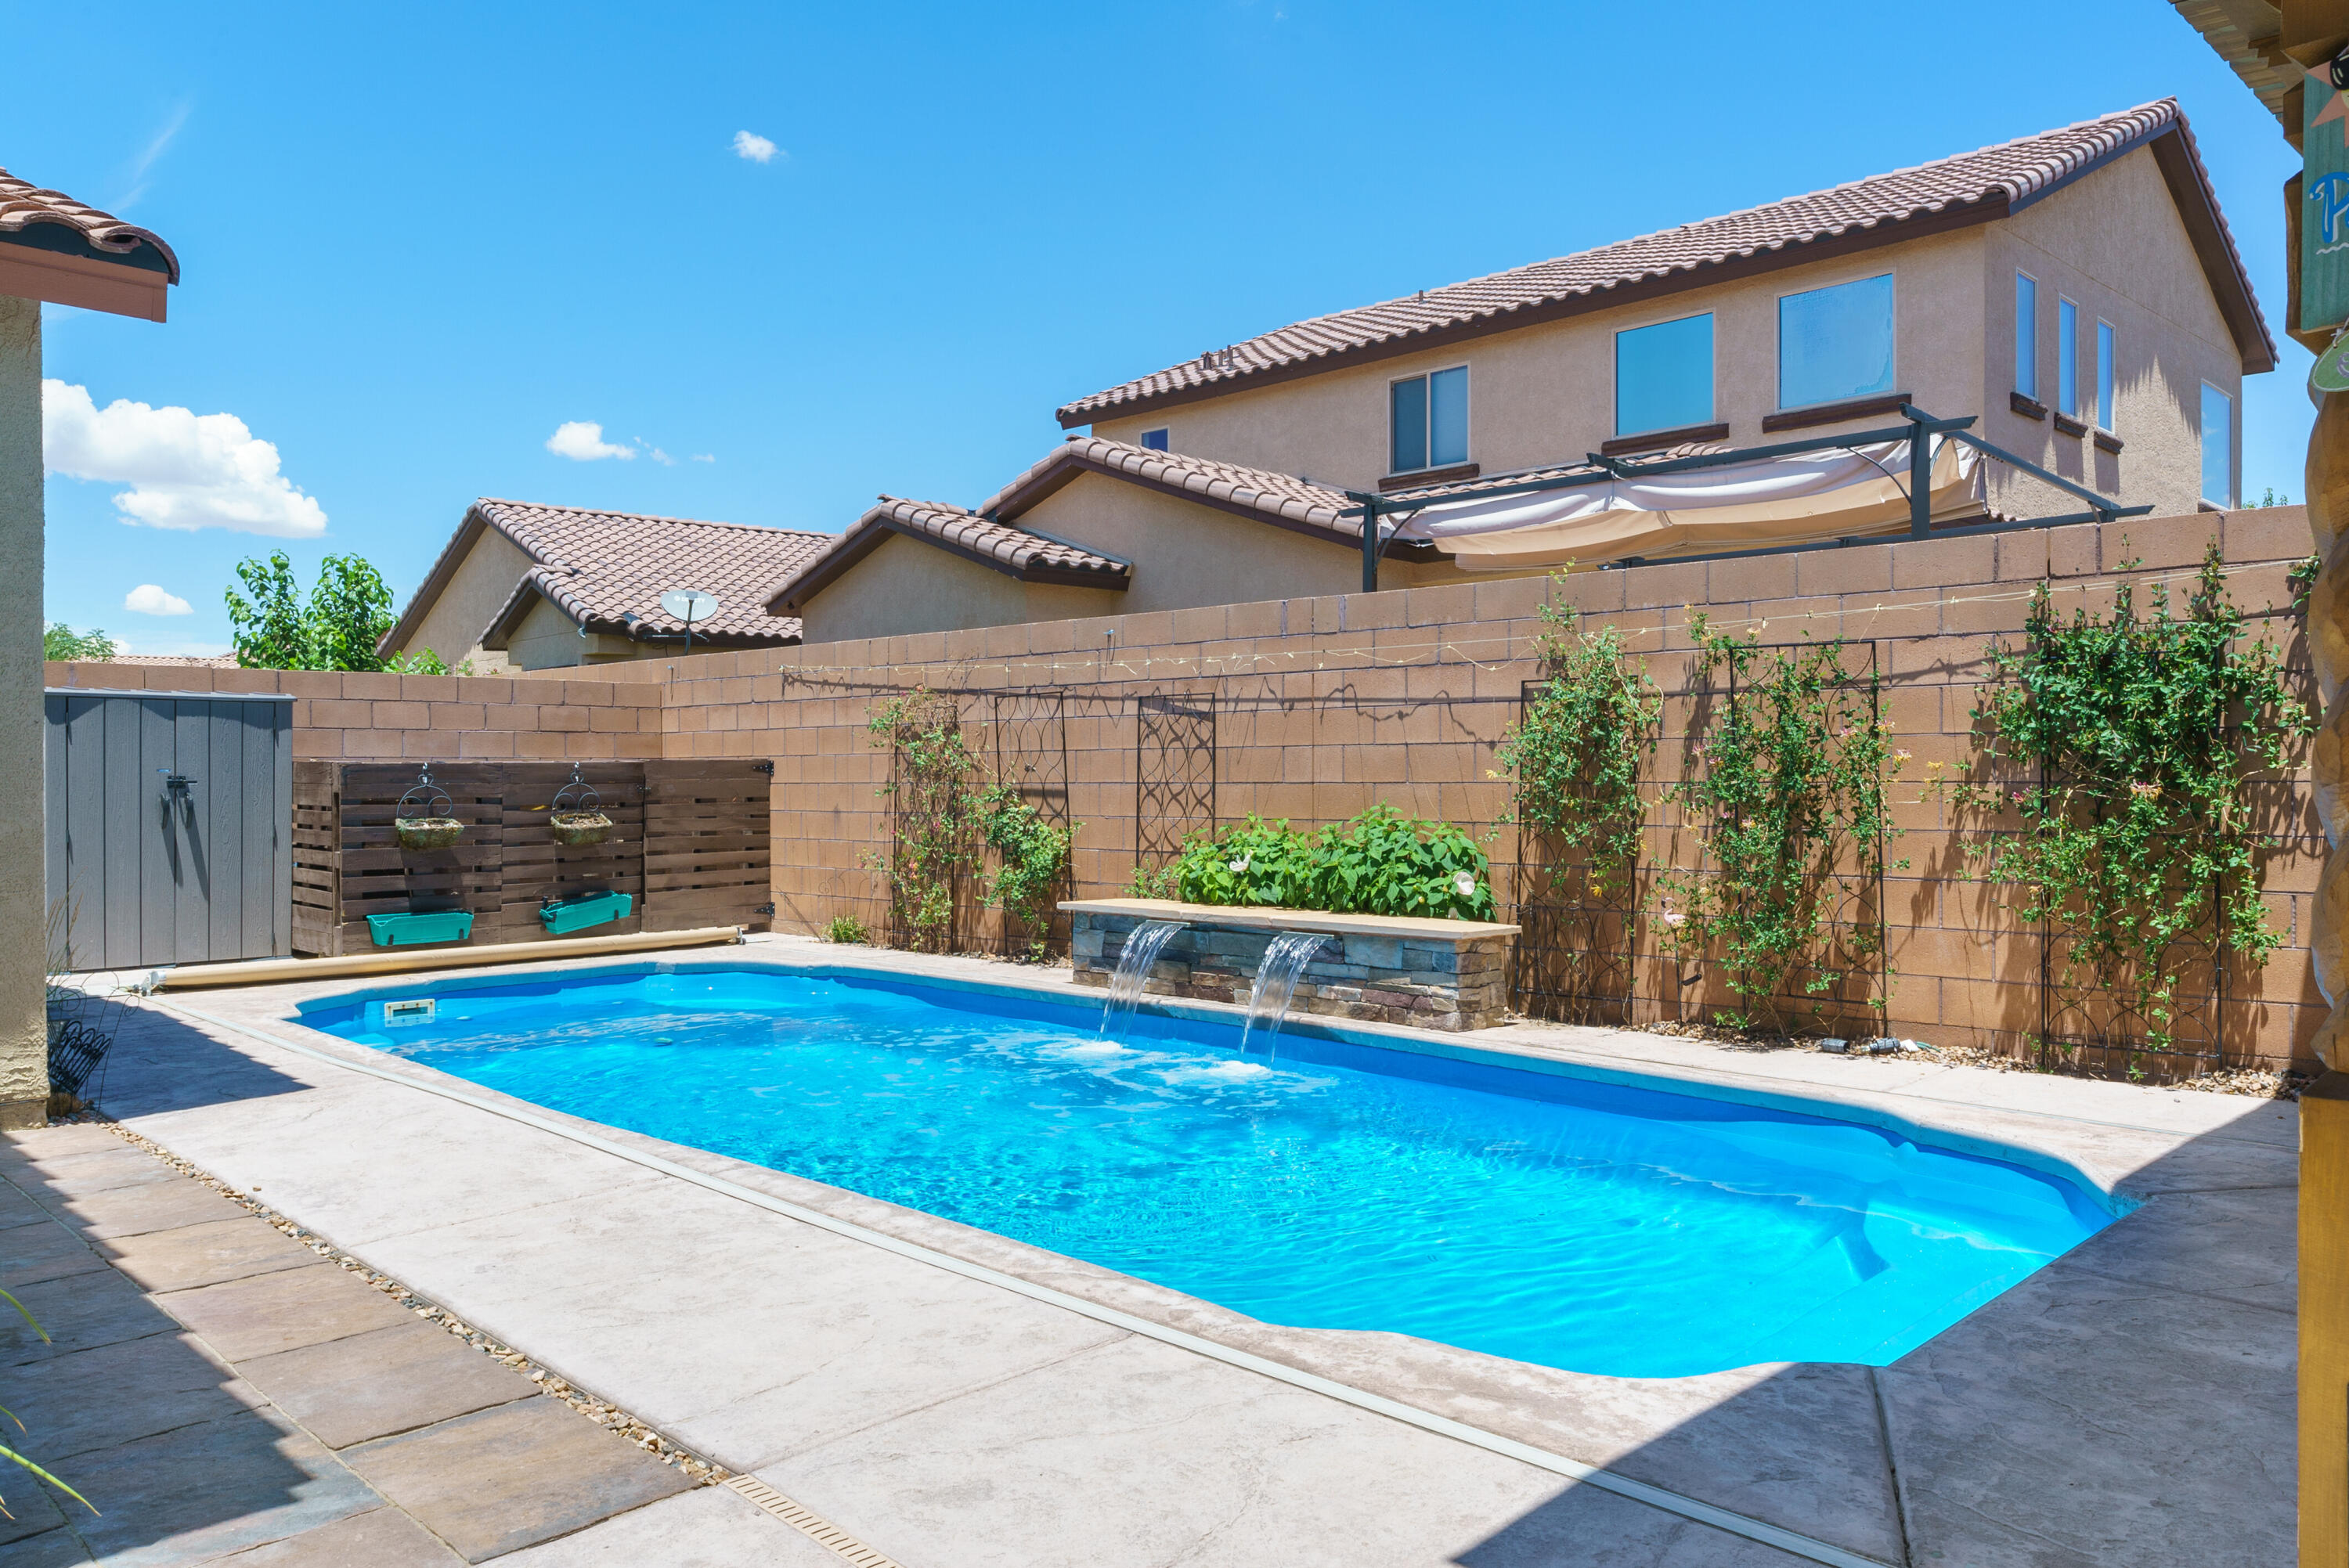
x: 418, y: 242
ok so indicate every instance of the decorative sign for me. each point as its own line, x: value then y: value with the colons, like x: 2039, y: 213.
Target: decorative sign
x: 2325, y: 204
x: 2331, y: 371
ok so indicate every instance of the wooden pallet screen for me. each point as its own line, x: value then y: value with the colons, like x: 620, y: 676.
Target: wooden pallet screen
x: 688, y: 845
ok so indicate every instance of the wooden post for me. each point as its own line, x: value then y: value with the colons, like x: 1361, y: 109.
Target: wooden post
x: 2324, y: 1323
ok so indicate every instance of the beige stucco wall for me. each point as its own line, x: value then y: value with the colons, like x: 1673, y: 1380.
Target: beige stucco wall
x: 906, y: 587
x: 1547, y: 393
x: 548, y: 639
x: 1185, y: 555
x: 24, y: 1055
x: 2114, y: 244
x: 475, y: 592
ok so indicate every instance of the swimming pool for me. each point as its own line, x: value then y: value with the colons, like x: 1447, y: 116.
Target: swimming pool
x: 1551, y: 1219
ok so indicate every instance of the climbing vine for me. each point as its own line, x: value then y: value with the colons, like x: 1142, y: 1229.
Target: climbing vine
x: 2139, y: 735
x: 1786, y: 786
x: 1575, y: 759
x: 947, y: 815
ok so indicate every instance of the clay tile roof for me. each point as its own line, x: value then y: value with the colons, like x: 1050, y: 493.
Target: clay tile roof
x: 990, y: 541
x: 1283, y: 499
x: 1971, y: 187
x: 53, y: 220
x: 601, y: 568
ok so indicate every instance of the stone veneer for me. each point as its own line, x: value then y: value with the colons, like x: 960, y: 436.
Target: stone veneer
x: 1431, y: 974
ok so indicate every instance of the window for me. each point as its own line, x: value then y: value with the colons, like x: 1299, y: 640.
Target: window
x: 1428, y: 420
x: 1835, y: 343
x: 2067, y: 357
x: 1154, y: 440
x: 2217, y: 446
x: 2104, y: 420
x: 2026, y: 335
x: 1663, y: 375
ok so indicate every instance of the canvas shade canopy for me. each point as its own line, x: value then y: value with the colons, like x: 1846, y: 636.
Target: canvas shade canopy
x: 1798, y: 498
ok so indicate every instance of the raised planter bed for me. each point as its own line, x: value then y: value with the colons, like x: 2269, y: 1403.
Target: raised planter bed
x: 1435, y: 973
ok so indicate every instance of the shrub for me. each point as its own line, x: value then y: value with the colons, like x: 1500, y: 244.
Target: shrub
x: 1380, y: 862
x: 847, y: 930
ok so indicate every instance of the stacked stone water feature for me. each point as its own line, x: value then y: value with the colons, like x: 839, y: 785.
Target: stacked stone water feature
x: 1431, y: 973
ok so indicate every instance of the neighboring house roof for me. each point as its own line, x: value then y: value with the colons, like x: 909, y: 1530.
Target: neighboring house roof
x: 1014, y: 552
x: 608, y: 570
x: 1953, y: 193
x: 178, y: 661
x: 53, y: 221
x: 989, y: 536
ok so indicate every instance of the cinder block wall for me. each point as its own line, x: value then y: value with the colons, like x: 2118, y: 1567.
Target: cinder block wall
x: 382, y: 717
x: 1323, y: 706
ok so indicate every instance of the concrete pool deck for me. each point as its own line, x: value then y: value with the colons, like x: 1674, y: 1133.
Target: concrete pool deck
x: 2130, y: 1404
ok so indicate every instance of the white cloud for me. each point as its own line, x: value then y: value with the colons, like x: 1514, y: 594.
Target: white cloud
x: 185, y: 470
x: 582, y: 440
x: 146, y: 159
x: 147, y: 599
x: 704, y: 457
x: 662, y: 459
x: 749, y: 144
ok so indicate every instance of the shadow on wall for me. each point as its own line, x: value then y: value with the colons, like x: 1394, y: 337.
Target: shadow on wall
x: 2132, y: 1402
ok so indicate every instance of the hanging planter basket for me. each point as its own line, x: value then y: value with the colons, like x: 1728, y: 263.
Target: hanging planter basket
x: 576, y: 828
x: 576, y: 815
x: 431, y: 827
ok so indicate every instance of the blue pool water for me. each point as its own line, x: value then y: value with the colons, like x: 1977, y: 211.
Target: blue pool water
x: 1602, y: 1229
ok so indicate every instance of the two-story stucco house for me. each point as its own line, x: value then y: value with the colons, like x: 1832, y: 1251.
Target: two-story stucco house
x: 2076, y: 292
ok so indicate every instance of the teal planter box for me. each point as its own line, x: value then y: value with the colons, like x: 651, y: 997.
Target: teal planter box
x: 411, y: 930
x: 588, y: 909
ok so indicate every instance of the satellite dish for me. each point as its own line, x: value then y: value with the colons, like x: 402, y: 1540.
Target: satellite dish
x: 689, y: 605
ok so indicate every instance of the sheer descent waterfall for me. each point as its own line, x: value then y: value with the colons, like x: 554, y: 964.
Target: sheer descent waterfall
x: 1133, y: 962
x: 1285, y: 958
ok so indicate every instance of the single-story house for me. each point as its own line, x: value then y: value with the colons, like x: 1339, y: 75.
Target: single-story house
x: 56, y: 250
x: 1099, y: 527
x: 525, y: 586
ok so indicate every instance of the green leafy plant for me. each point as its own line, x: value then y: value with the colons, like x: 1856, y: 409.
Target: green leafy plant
x: 1786, y: 786
x: 1380, y: 863
x: 425, y: 661
x: 336, y: 628
x: 1574, y: 760
x: 1032, y: 859
x: 2139, y: 734
x: 947, y: 815
x: 59, y: 640
x: 9, y: 1453
x: 847, y: 930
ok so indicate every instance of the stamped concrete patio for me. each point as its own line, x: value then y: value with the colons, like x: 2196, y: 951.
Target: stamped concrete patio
x: 2131, y: 1404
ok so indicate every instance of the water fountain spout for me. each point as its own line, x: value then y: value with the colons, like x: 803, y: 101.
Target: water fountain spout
x: 1132, y: 972
x: 1285, y: 958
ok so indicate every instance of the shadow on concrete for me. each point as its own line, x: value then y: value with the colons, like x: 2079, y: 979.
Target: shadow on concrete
x: 2132, y: 1402
x: 159, y: 1062
x: 181, y: 1462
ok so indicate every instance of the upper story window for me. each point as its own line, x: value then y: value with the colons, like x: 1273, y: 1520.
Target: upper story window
x: 1427, y: 420
x: 1835, y: 343
x: 2104, y: 420
x: 2067, y: 357
x: 1663, y: 375
x: 2026, y: 335
x: 2217, y: 446
x: 1154, y: 440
